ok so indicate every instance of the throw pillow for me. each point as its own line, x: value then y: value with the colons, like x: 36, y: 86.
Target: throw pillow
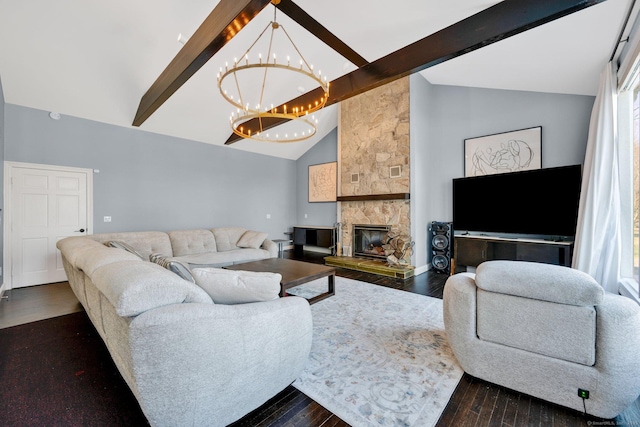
x: 122, y: 245
x: 177, y: 267
x: 238, y: 287
x: 251, y: 239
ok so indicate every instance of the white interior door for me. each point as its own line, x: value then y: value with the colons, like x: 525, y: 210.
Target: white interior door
x: 46, y: 206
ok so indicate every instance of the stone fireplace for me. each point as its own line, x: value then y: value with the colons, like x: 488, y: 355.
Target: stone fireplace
x: 367, y: 240
x: 374, y: 163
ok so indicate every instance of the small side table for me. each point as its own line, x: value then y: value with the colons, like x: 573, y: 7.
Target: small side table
x: 280, y: 243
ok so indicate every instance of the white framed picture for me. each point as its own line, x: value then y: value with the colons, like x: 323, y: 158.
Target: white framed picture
x: 514, y: 151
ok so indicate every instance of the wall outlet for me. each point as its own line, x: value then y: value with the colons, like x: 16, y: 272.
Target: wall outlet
x: 107, y: 219
x: 268, y: 216
x: 306, y: 216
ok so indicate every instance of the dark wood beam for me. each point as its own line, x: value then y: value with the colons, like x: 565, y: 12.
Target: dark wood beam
x: 503, y: 20
x: 224, y: 22
x: 294, y: 12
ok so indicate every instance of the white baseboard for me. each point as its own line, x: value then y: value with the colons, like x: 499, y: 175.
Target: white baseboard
x: 422, y: 269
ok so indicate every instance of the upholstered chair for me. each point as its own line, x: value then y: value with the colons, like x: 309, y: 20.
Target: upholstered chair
x: 546, y: 331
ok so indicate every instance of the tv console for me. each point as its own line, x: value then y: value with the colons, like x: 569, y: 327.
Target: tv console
x: 321, y: 236
x: 472, y: 250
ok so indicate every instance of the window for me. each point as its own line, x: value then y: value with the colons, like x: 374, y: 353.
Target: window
x: 636, y: 185
x: 628, y: 113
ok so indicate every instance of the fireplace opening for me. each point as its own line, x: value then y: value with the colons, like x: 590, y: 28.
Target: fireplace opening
x: 367, y: 240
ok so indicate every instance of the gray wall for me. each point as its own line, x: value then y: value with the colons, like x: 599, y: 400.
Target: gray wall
x: 457, y: 113
x: 154, y: 182
x: 442, y: 117
x: 420, y: 98
x: 324, y: 213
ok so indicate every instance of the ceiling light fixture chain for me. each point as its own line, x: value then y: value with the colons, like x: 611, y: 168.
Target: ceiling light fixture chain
x: 299, y: 115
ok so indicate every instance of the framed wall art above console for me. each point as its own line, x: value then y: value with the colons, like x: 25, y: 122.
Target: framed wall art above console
x: 513, y: 151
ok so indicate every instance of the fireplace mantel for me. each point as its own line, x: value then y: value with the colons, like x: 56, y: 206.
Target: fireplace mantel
x: 366, y: 197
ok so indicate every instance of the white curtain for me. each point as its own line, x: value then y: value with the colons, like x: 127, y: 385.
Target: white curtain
x: 598, y: 237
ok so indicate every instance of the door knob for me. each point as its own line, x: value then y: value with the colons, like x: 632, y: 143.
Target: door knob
x: 79, y: 231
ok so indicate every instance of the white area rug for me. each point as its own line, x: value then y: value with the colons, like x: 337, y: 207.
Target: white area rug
x: 379, y: 356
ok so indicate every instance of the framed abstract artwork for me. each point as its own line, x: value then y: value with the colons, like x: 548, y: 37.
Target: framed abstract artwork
x: 323, y: 182
x: 514, y: 151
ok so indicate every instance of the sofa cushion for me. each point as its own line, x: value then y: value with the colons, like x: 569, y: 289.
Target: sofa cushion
x: 145, y: 242
x: 135, y: 287
x: 561, y: 331
x: 122, y: 245
x: 227, y: 237
x: 92, y: 258
x: 177, y: 267
x: 545, y: 282
x: 221, y: 259
x: 252, y: 239
x: 238, y: 287
x: 189, y: 242
x: 73, y: 247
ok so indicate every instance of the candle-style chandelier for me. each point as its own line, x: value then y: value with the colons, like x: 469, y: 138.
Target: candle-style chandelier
x: 246, y: 85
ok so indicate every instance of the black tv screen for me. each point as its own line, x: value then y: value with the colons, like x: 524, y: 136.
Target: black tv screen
x: 539, y: 202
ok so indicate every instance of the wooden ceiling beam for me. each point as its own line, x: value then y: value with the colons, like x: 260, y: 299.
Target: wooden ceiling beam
x: 293, y: 11
x: 503, y: 20
x: 222, y: 24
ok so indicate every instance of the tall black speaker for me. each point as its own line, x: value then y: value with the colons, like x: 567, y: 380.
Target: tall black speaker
x: 441, y: 246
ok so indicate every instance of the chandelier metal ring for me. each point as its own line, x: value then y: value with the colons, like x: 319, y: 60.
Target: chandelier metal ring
x: 257, y: 113
x: 296, y: 111
x: 273, y: 136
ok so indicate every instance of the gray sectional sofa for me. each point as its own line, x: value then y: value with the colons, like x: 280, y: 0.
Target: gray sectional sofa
x: 187, y: 360
x: 217, y: 247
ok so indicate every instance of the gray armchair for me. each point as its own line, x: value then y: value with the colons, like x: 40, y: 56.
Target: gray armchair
x: 546, y: 331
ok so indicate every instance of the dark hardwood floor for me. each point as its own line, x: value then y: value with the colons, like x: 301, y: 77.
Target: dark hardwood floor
x: 474, y: 402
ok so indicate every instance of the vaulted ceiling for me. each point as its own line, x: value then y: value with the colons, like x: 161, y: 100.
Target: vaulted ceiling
x: 96, y: 60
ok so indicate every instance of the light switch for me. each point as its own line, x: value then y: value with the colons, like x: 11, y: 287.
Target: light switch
x: 107, y: 219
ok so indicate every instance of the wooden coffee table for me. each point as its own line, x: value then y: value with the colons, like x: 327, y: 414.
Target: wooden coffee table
x: 294, y: 273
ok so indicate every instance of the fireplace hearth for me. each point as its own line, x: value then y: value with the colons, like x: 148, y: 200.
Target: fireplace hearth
x: 368, y: 239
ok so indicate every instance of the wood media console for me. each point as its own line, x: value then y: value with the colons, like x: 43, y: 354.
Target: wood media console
x: 321, y: 236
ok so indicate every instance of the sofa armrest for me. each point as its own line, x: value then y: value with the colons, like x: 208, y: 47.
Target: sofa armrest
x: 270, y: 246
x: 459, y: 315
x: 617, y: 349
x: 216, y: 362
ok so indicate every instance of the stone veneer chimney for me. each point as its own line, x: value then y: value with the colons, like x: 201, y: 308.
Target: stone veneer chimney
x: 373, y: 138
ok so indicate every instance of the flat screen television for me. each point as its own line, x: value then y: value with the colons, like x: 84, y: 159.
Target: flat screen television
x: 541, y: 202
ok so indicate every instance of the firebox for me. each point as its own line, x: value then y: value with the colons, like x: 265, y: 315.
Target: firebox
x: 367, y: 240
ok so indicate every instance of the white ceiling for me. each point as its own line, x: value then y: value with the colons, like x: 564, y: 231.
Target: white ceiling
x: 95, y: 60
